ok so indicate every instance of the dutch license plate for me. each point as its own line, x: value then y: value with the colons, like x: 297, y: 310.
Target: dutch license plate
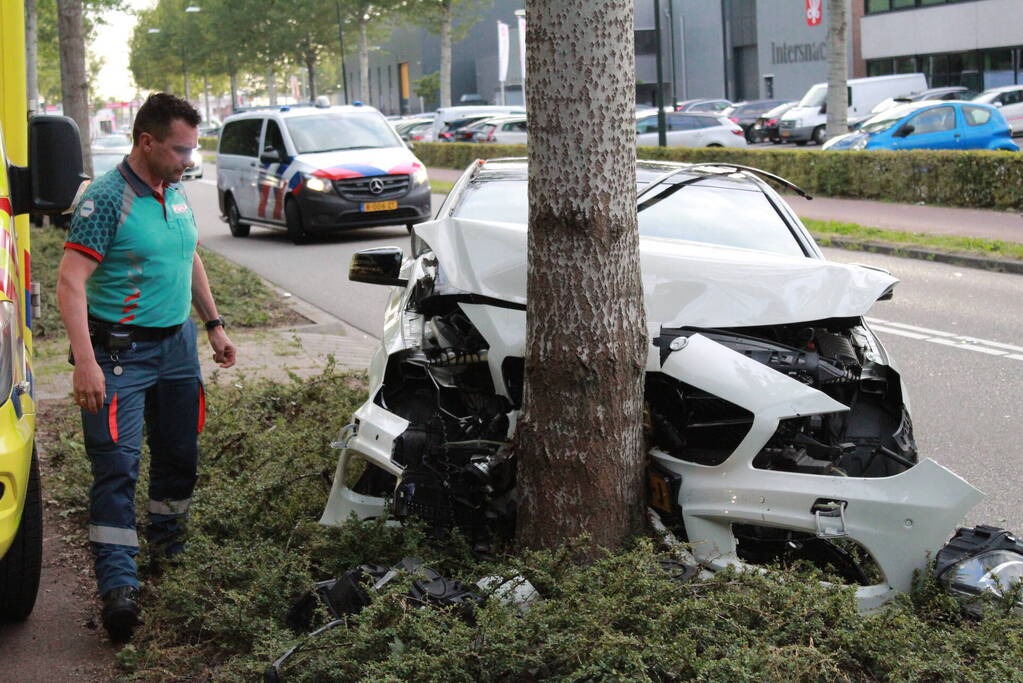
x: 380, y: 206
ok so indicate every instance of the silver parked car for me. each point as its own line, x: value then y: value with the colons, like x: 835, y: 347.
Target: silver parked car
x: 691, y: 130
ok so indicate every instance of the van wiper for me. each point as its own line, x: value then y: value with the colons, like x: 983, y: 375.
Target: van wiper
x: 345, y: 149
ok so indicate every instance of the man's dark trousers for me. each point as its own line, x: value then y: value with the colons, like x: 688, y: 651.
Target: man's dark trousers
x: 157, y: 383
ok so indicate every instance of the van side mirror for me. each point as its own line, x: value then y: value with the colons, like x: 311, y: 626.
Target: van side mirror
x: 270, y: 156
x: 824, y: 108
x: 905, y: 130
x: 377, y: 266
x: 55, y: 169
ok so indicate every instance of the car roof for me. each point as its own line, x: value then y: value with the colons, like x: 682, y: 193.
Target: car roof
x: 296, y: 111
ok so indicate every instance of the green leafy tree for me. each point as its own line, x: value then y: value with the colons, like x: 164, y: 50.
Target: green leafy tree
x: 368, y: 16
x: 427, y: 87
x: 451, y: 20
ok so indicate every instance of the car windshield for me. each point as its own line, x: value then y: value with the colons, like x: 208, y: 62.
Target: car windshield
x: 335, y: 131
x: 884, y: 120
x: 712, y: 212
x: 815, y: 97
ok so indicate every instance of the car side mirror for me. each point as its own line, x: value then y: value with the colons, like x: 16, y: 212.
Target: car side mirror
x: 905, y: 131
x: 55, y: 170
x: 270, y: 156
x: 377, y: 266
x: 996, y: 104
x: 824, y: 108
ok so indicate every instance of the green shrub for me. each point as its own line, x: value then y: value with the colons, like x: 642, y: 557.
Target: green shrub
x: 973, y: 179
x: 208, y: 143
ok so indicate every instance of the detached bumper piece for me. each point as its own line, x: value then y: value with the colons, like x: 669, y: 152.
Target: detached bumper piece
x: 349, y: 595
x: 984, y: 561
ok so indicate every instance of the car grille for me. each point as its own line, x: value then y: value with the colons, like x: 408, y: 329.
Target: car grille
x: 786, y: 124
x: 358, y: 189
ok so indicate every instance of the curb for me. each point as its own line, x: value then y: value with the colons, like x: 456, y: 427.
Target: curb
x: 965, y: 260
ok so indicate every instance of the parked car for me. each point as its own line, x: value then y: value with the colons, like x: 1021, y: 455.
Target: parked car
x: 952, y: 92
x: 313, y: 170
x: 805, y: 122
x: 703, y: 105
x: 503, y: 130
x: 194, y: 171
x: 766, y: 125
x: 415, y: 130
x: 468, y: 133
x: 449, y: 131
x: 691, y: 130
x: 931, y: 125
x: 447, y: 115
x: 746, y: 114
x: 1009, y: 101
x: 774, y: 420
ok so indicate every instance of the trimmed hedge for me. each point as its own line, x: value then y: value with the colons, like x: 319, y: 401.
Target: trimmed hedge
x: 973, y: 179
x: 208, y: 144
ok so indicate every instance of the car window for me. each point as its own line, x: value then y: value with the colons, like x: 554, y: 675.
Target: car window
x: 976, y: 116
x: 272, y: 138
x: 647, y: 125
x: 681, y: 122
x: 337, y: 131
x: 711, y: 212
x: 933, y: 121
x: 1011, y: 97
x: 241, y: 137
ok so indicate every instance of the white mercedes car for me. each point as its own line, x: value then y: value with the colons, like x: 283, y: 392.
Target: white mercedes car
x: 779, y: 428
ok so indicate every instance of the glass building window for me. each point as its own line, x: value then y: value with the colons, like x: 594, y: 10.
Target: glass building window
x: 878, y: 6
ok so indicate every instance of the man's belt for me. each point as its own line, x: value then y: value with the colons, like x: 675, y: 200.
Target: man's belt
x: 100, y: 330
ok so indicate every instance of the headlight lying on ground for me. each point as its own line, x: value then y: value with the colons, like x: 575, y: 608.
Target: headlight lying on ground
x: 984, y: 560
x: 317, y: 184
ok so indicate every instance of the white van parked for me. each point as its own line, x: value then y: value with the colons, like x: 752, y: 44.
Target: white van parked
x: 805, y: 121
x: 448, y: 114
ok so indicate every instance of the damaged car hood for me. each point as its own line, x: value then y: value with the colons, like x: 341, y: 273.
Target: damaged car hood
x: 684, y: 283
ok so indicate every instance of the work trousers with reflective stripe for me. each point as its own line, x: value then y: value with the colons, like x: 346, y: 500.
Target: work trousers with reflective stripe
x: 157, y: 383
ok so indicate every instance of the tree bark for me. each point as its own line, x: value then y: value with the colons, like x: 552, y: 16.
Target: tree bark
x: 445, y: 54
x: 31, y: 55
x: 233, y: 77
x: 579, y: 440
x: 838, y: 70
x: 363, y: 61
x: 74, y: 87
x: 271, y: 86
x: 310, y: 65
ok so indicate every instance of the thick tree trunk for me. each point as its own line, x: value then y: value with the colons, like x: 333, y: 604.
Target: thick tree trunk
x: 31, y: 55
x: 74, y: 88
x: 271, y: 86
x: 363, y: 61
x: 579, y: 440
x: 445, y: 54
x: 310, y: 65
x: 838, y: 70
x: 233, y: 77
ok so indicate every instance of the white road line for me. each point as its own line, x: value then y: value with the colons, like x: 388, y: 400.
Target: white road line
x: 956, y: 341
x: 206, y: 181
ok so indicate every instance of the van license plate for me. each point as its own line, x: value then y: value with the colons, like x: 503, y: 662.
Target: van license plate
x: 380, y: 206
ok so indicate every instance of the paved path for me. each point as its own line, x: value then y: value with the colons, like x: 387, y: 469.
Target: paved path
x: 933, y: 220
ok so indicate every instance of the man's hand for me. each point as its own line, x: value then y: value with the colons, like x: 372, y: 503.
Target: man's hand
x: 89, y: 385
x: 223, y: 350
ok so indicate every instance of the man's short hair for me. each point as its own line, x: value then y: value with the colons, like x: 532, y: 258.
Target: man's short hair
x: 158, y: 112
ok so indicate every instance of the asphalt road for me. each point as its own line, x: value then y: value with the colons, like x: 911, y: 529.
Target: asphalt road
x: 966, y: 393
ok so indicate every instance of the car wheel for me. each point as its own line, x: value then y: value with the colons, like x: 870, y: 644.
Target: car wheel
x: 818, y: 135
x: 713, y: 144
x: 21, y: 566
x: 234, y: 218
x: 293, y: 219
x: 800, y: 143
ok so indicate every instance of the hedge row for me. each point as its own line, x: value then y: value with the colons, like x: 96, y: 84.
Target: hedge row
x: 974, y: 179
x: 208, y: 144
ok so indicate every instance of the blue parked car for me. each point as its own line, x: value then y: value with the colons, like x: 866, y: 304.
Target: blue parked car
x: 931, y: 125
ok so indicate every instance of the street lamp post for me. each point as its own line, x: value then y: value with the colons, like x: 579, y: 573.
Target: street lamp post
x: 341, y: 43
x: 662, y: 134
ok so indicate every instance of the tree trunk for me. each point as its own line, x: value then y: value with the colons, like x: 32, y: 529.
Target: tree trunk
x: 233, y: 76
x: 445, y: 54
x: 363, y: 61
x: 271, y: 86
x: 74, y: 88
x: 579, y: 440
x: 184, y: 75
x: 31, y: 56
x: 310, y: 65
x: 838, y: 76
x: 206, y: 96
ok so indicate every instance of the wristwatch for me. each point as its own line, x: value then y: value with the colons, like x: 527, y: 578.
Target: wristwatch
x: 216, y: 322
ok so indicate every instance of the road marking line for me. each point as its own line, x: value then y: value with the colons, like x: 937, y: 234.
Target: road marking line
x: 991, y: 348
x: 1017, y: 356
x: 926, y: 330
x: 901, y: 333
x: 206, y: 181
x: 968, y: 347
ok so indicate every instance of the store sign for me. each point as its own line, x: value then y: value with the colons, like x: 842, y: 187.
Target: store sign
x: 814, y: 12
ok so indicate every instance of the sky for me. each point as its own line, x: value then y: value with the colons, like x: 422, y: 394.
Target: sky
x: 111, y: 44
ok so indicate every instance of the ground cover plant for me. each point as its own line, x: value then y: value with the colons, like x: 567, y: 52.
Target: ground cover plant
x: 255, y: 546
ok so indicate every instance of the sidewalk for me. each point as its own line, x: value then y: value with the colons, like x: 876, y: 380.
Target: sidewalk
x: 931, y: 220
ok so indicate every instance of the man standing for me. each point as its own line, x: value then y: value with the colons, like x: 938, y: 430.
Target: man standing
x: 129, y: 275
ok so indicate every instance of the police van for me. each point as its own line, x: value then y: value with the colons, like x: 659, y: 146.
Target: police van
x: 312, y: 170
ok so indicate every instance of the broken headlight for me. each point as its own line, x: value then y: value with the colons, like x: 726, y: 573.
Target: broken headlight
x: 981, y: 561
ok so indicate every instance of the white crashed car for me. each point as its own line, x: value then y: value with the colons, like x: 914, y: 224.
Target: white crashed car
x: 779, y: 427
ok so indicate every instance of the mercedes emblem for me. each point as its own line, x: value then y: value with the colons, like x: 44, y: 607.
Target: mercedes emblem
x: 376, y: 186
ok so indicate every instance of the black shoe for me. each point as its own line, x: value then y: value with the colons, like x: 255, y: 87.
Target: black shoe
x: 121, y: 612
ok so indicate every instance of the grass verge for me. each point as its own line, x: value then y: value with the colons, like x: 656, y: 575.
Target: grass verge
x: 823, y: 231
x: 254, y: 546
x: 441, y: 186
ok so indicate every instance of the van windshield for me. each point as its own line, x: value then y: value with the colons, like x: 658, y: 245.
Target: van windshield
x: 815, y: 96
x: 334, y: 131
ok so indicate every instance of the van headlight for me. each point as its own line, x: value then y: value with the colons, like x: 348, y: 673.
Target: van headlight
x: 981, y: 561
x: 317, y: 184
x: 419, y: 177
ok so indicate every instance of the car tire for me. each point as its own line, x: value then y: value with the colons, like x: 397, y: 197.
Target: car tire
x: 713, y: 144
x: 296, y: 227
x: 800, y: 143
x: 818, y: 135
x: 21, y: 566
x: 234, y: 218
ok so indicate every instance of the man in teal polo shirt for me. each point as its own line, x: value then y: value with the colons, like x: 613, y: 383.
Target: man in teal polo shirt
x: 128, y: 279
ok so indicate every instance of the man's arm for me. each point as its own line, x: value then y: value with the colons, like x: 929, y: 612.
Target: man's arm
x: 89, y: 384
x: 202, y: 299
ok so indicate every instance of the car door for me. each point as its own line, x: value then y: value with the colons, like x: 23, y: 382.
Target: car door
x: 239, y: 152
x: 1010, y: 105
x: 512, y: 133
x: 933, y: 128
x: 646, y: 131
x: 273, y: 163
x: 684, y: 131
